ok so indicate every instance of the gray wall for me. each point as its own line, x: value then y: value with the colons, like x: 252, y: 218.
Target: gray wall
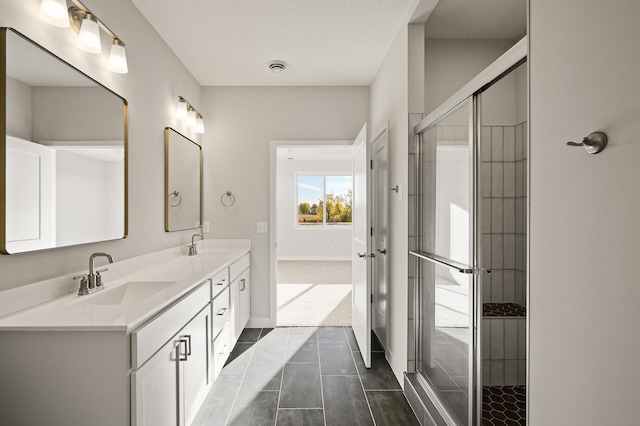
x: 155, y: 79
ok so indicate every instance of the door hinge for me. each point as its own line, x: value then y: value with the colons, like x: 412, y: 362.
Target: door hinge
x: 371, y: 164
x: 372, y: 231
x: 372, y: 299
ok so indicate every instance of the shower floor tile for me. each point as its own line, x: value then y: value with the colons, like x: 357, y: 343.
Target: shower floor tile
x: 503, y: 310
x: 504, y: 405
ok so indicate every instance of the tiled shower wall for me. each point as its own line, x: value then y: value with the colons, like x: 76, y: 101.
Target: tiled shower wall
x: 504, y: 200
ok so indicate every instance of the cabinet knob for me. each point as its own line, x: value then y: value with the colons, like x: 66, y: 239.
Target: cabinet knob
x: 221, y: 312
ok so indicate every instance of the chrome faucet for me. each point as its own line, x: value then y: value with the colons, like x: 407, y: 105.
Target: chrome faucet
x: 93, y: 281
x: 193, y: 248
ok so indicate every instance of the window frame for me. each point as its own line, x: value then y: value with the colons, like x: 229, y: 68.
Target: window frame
x: 324, y: 225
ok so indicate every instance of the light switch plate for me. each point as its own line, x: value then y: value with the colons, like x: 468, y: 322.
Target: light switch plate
x: 262, y: 227
x: 205, y: 227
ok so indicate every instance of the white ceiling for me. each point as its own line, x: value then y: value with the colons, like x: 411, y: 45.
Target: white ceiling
x: 323, y: 42
x: 478, y: 19
x: 333, y: 153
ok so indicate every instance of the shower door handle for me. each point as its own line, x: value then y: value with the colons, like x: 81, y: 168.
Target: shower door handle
x: 439, y: 260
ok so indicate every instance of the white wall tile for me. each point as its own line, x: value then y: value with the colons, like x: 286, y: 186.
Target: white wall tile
x: 509, y: 286
x: 519, y: 179
x: 486, y: 251
x: 510, y: 372
x: 485, y: 143
x: 522, y: 338
x: 510, y: 338
x: 496, y: 215
x: 509, y: 221
x: 496, y: 285
x: 412, y: 173
x: 496, y: 179
x: 496, y: 143
x: 525, y: 181
x: 486, y: 215
x: 525, y: 140
x: 486, y: 288
x: 438, y: 132
x: 519, y: 143
x: 509, y: 143
x: 486, y: 373
x: 486, y: 339
x: 410, y: 290
x: 522, y: 372
x: 496, y: 252
x: 519, y: 255
x: 485, y: 179
x: 497, y: 373
x: 412, y: 215
x: 461, y: 133
x: 509, y: 179
x: 448, y: 134
x: 509, y: 255
x: 519, y: 213
x: 497, y: 338
x: 519, y: 288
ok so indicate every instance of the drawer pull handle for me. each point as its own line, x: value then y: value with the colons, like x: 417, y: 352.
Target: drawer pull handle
x: 244, y: 284
x: 187, y: 338
x: 182, y: 356
x: 221, y: 282
x: 221, y: 312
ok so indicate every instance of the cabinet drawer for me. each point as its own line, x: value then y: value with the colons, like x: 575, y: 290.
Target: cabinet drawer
x: 221, y: 350
x: 220, y: 312
x: 219, y: 282
x: 240, y: 265
x: 146, y: 340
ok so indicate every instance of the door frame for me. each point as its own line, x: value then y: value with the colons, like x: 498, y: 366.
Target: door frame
x: 273, y: 212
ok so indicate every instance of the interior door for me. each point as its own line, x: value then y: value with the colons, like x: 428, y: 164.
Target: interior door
x: 379, y: 220
x: 360, y: 248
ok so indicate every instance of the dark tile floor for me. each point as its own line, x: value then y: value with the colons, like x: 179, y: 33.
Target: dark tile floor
x: 304, y: 376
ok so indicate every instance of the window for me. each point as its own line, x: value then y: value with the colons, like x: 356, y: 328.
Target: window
x: 325, y: 200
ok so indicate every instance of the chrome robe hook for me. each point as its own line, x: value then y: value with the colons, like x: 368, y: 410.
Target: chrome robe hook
x: 594, y: 143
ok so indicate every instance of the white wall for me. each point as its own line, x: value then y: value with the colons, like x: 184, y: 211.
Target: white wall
x: 155, y: 79
x: 584, y: 286
x: 310, y: 243
x: 450, y: 64
x: 240, y: 122
x: 390, y: 102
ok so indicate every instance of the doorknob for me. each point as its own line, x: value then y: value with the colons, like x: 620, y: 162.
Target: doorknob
x: 383, y: 251
x: 372, y: 255
x: 361, y: 255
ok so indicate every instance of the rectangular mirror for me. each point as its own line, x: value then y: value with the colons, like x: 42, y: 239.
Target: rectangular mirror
x: 182, y: 182
x: 63, y: 152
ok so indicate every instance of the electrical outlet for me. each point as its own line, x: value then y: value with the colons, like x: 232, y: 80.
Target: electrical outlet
x: 205, y: 227
x: 262, y: 227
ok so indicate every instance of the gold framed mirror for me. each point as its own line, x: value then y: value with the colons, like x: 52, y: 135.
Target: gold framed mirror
x: 63, y: 152
x: 182, y: 182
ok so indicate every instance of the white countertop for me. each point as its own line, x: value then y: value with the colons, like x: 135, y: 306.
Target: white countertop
x: 71, y: 312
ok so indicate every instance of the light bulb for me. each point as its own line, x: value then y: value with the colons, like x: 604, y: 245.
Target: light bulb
x: 118, y: 58
x: 181, y: 111
x: 89, y: 37
x: 54, y: 12
x: 199, y: 125
x: 191, y: 118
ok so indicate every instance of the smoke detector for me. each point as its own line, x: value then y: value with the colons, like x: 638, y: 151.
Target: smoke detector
x: 277, y: 66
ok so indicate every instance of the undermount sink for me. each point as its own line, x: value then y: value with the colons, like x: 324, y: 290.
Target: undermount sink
x: 131, y: 292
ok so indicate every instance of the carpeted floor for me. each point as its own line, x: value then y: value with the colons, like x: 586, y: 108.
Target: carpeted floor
x: 314, y: 293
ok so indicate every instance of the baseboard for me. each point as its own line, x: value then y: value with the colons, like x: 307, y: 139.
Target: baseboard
x: 316, y: 258
x: 259, y: 323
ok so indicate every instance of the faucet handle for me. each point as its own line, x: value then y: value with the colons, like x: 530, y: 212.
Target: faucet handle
x: 99, y: 277
x: 84, y: 284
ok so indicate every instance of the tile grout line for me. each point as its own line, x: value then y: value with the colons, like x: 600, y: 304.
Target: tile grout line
x: 360, y: 379
x: 241, y: 381
x: 324, y: 410
x: 284, y: 361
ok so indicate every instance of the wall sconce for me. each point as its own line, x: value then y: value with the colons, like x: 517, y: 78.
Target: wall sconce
x: 88, y: 26
x: 193, y: 118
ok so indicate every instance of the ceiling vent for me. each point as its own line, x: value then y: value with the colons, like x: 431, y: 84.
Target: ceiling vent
x: 277, y: 66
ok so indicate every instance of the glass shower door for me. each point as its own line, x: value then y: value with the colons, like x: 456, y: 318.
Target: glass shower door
x: 444, y: 262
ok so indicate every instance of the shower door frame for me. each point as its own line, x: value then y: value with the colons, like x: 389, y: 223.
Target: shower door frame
x: 472, y: 93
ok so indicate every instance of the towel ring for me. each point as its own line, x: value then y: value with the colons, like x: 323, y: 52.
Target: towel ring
x: 177, y: 199
x: 227, y: 199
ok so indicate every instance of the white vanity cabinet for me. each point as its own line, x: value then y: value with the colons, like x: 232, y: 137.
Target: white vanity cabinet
x: 168, y: 386
x: 240, y: 276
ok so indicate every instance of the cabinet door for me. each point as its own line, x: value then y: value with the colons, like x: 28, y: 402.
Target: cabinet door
x: 156, y: 388
x: 234, y: 307
x: 245, y: 298
x: 197, y: 371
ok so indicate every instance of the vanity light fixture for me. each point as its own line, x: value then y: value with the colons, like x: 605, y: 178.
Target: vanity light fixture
x: 89, y: 35
x: 88, y: 26
x: 55, y: 12
x: 186, y: 111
